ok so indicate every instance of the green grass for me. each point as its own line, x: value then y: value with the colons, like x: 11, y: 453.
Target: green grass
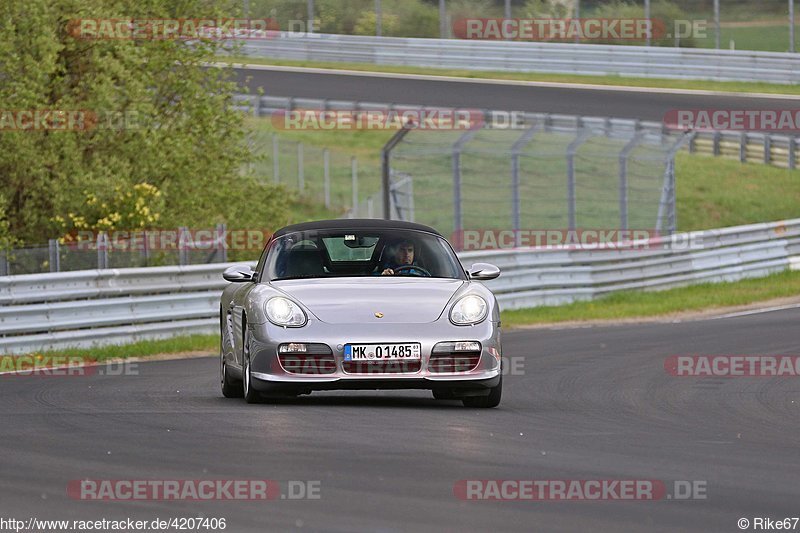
x: 716, y: 192
x: 633, y: 304
x: 193, y: 343
x: 764, y: 38
x: 705, y: 85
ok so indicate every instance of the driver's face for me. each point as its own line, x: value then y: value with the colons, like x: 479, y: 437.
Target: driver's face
x: 404, y: 254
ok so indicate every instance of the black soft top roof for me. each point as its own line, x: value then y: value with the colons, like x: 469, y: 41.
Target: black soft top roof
x: 355, y: 224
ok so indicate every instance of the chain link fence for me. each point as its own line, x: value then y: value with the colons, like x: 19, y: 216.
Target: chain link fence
x: 552, y: 174
x: 120, y: 250
x: 327, y: 177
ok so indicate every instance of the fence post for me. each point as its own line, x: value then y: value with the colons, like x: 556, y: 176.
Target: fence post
x: 516, y: 149
x: 442, y: 20
x: 572, y: 149
x: 792, y: 153
x: 301, y: 177
x: 672, y: 213
x: 146, y: 249
x: 257, y: 106
x: 457, y: 147
x: 623, y: 179
x: 102, y: 251
x: 791, y: 26
x: 222, y: 242
x: 4, y: 269
x: 378, y: 18
x: 386, y: 167
x: 326, y: 176
x: 743, y: 147
x: 55, y: 259
x: 183, y: 246
x: 767, y: 148
x: 668, y: 189
x: 276, y: 177
x: 354, y: 175
x: 717, y: 138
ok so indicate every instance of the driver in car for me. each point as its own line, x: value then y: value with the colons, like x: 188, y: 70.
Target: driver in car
x: 403, y: 256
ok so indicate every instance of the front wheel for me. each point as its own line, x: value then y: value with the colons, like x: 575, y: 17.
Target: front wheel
x: 488, y: 401
x: 250, y: 395
x: 231, y: 388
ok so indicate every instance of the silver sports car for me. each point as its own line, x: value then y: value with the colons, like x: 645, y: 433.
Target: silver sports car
x: 360, y: 304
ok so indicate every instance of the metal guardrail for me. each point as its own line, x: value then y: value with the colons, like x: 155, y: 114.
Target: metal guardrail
x: 79, y: 309
x: 559, y: 58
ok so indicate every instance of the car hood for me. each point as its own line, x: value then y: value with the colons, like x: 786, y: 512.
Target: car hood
x: 357, y: 300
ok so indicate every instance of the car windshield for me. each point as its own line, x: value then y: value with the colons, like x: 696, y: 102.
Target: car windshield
x: 361, y: 253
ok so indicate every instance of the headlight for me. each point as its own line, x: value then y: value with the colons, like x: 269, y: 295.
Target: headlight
x: 469, y: 310
x: 284, y: 312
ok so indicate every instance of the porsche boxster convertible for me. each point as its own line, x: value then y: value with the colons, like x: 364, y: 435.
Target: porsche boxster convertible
x: 360, y: 304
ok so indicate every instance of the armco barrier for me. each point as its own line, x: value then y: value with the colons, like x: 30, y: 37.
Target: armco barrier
x: 96, y: 307
x: 560, y: 58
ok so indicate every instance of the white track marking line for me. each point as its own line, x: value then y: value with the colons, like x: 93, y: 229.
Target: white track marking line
x: 756, y: 311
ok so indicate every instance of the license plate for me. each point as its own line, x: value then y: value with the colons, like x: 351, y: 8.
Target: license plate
x: 382, y: 352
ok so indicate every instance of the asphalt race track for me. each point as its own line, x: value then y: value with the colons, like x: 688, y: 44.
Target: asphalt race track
x: 643, y: 104
x: 589, y: 403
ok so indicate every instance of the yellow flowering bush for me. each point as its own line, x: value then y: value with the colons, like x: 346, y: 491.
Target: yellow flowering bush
x: 137, y: 208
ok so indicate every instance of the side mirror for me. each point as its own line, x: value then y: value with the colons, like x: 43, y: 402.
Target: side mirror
x: 238, y: 274
x: 483, y: 271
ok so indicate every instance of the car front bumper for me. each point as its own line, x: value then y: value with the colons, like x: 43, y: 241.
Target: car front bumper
x: 269, y: 375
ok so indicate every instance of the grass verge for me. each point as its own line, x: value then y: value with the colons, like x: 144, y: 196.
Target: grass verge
x: 190, y: 343
x: 657, y: 83
x: 632, y: 304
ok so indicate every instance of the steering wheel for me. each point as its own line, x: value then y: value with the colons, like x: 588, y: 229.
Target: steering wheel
x: 412, y: 267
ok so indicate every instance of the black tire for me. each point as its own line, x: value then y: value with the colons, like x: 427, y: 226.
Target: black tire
x: 231, y: 388
x: 489, y: 401
x: 250, y: 395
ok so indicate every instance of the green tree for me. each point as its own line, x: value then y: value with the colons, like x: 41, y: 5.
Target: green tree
x: 156, y: 115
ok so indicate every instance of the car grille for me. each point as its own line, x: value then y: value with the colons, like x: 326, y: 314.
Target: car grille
x: 443, y: 360
x: 317, y: 360
x: 381, y: 367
